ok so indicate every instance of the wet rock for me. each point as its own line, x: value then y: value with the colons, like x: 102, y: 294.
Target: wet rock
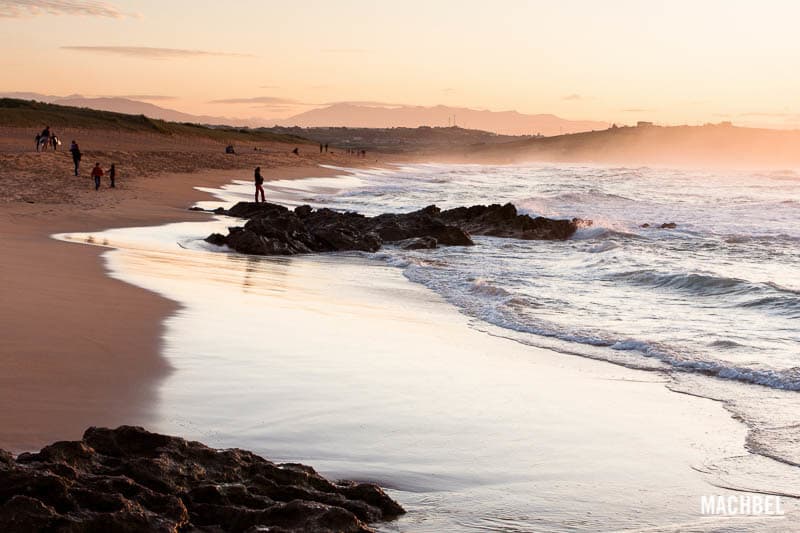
x: 503, y: 221
x: 669, y: 225
x: 275, y: 230
x: 645, y: 225
x: 420, y: 243
x: 195, y: 208
x: 216, y: 238
x: 128, y: 479
x: 219, y: 211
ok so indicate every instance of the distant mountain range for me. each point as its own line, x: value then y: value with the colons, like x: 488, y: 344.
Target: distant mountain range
x: 374, y: 116
x: 345, y: 115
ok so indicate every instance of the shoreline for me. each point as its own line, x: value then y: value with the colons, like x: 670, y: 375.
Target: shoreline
x: 79, y: 383
x: 101, y: 364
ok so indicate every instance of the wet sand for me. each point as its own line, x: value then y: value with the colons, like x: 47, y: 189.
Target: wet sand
x: 80, y: 348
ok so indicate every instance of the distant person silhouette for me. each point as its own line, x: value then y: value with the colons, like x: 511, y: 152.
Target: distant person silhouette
x: 320, y: 148
x: 326, y: 148
x: 112, y: 175
x: 259, y: 179
x: 296, y: 151
x: 76, y: 155
x: 97, y: 173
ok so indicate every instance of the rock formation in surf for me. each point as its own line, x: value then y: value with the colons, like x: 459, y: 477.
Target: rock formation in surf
x: 275, y: 230
x: 128, y: 479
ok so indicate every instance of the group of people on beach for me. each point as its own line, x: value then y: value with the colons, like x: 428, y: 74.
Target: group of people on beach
x: 97, y: 173
x: 97, y: 170
x: 47, y: 139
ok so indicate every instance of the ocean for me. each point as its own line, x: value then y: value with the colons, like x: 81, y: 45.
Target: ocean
x: 421, y: 369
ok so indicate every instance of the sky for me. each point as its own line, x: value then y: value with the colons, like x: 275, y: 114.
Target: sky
x: 672, y: 62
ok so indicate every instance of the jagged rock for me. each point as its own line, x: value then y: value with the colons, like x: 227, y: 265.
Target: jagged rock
x: 275, y: 230
x: 503, y: 221
x: 216, y: 238
x: 131, y: 480
x: 195, y: 208
x: 219, y: 211
x: 420, y: 243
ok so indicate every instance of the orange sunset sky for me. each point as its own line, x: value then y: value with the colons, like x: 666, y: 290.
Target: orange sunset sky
x: 617, y: 60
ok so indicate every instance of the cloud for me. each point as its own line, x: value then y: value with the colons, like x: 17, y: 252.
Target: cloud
x: 34, y: 8
x: 266, y: 100
x: 637, y: 110
x: 150, y: 52
x: 573, y: 96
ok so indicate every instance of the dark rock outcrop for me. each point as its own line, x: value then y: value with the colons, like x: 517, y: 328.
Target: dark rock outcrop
x: 503, y: 221
x: 275, y: 230
x: 131, y: 480
x: 420, y: 243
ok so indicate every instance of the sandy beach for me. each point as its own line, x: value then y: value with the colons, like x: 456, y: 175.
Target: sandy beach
x: 335, y: 361
x: 80, y: 348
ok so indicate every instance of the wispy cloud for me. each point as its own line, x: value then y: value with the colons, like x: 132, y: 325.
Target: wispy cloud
x: 637, y: 110
x: 148, y: 52
x: 266, y: 100
x: 573, y: 96
x: 34, y: 8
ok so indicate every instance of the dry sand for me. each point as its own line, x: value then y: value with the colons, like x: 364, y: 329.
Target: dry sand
x: 79, y: 348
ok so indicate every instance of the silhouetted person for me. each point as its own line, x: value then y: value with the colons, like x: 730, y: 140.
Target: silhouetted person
x: 112, y: 175
x: 259, y: 179
x: 326, y: 148
x: 320, y: 148
x: 296, y: 151
x: 76, y: 155
x: 97, y: 173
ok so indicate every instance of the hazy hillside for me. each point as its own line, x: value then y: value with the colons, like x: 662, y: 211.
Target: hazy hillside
x: 716, y: 145
x: 503, y: 122
x: 36, y: 115
x: 423, y: 139
x: 130, y: 107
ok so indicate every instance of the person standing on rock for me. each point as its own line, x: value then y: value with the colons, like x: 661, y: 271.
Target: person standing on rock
x: 97, y: 173
x: 259, y: 185
x: 76, y: 155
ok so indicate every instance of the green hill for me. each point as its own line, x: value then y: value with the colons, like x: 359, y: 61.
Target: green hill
x: 32, y: 114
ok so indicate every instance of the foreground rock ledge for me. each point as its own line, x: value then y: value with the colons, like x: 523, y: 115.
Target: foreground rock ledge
x: 128, y: 479
x: 275, y: 230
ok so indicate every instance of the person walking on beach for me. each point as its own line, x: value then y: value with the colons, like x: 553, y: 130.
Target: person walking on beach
x: 320, y: 147
x: 97, y: 173
x: 76, y: 155
x: 112, y: 175
x: 44, y: 138
x: 259, y: 185
x: 326, y: 148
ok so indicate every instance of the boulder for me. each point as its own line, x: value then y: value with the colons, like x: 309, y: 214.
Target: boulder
x: 128, y: 479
